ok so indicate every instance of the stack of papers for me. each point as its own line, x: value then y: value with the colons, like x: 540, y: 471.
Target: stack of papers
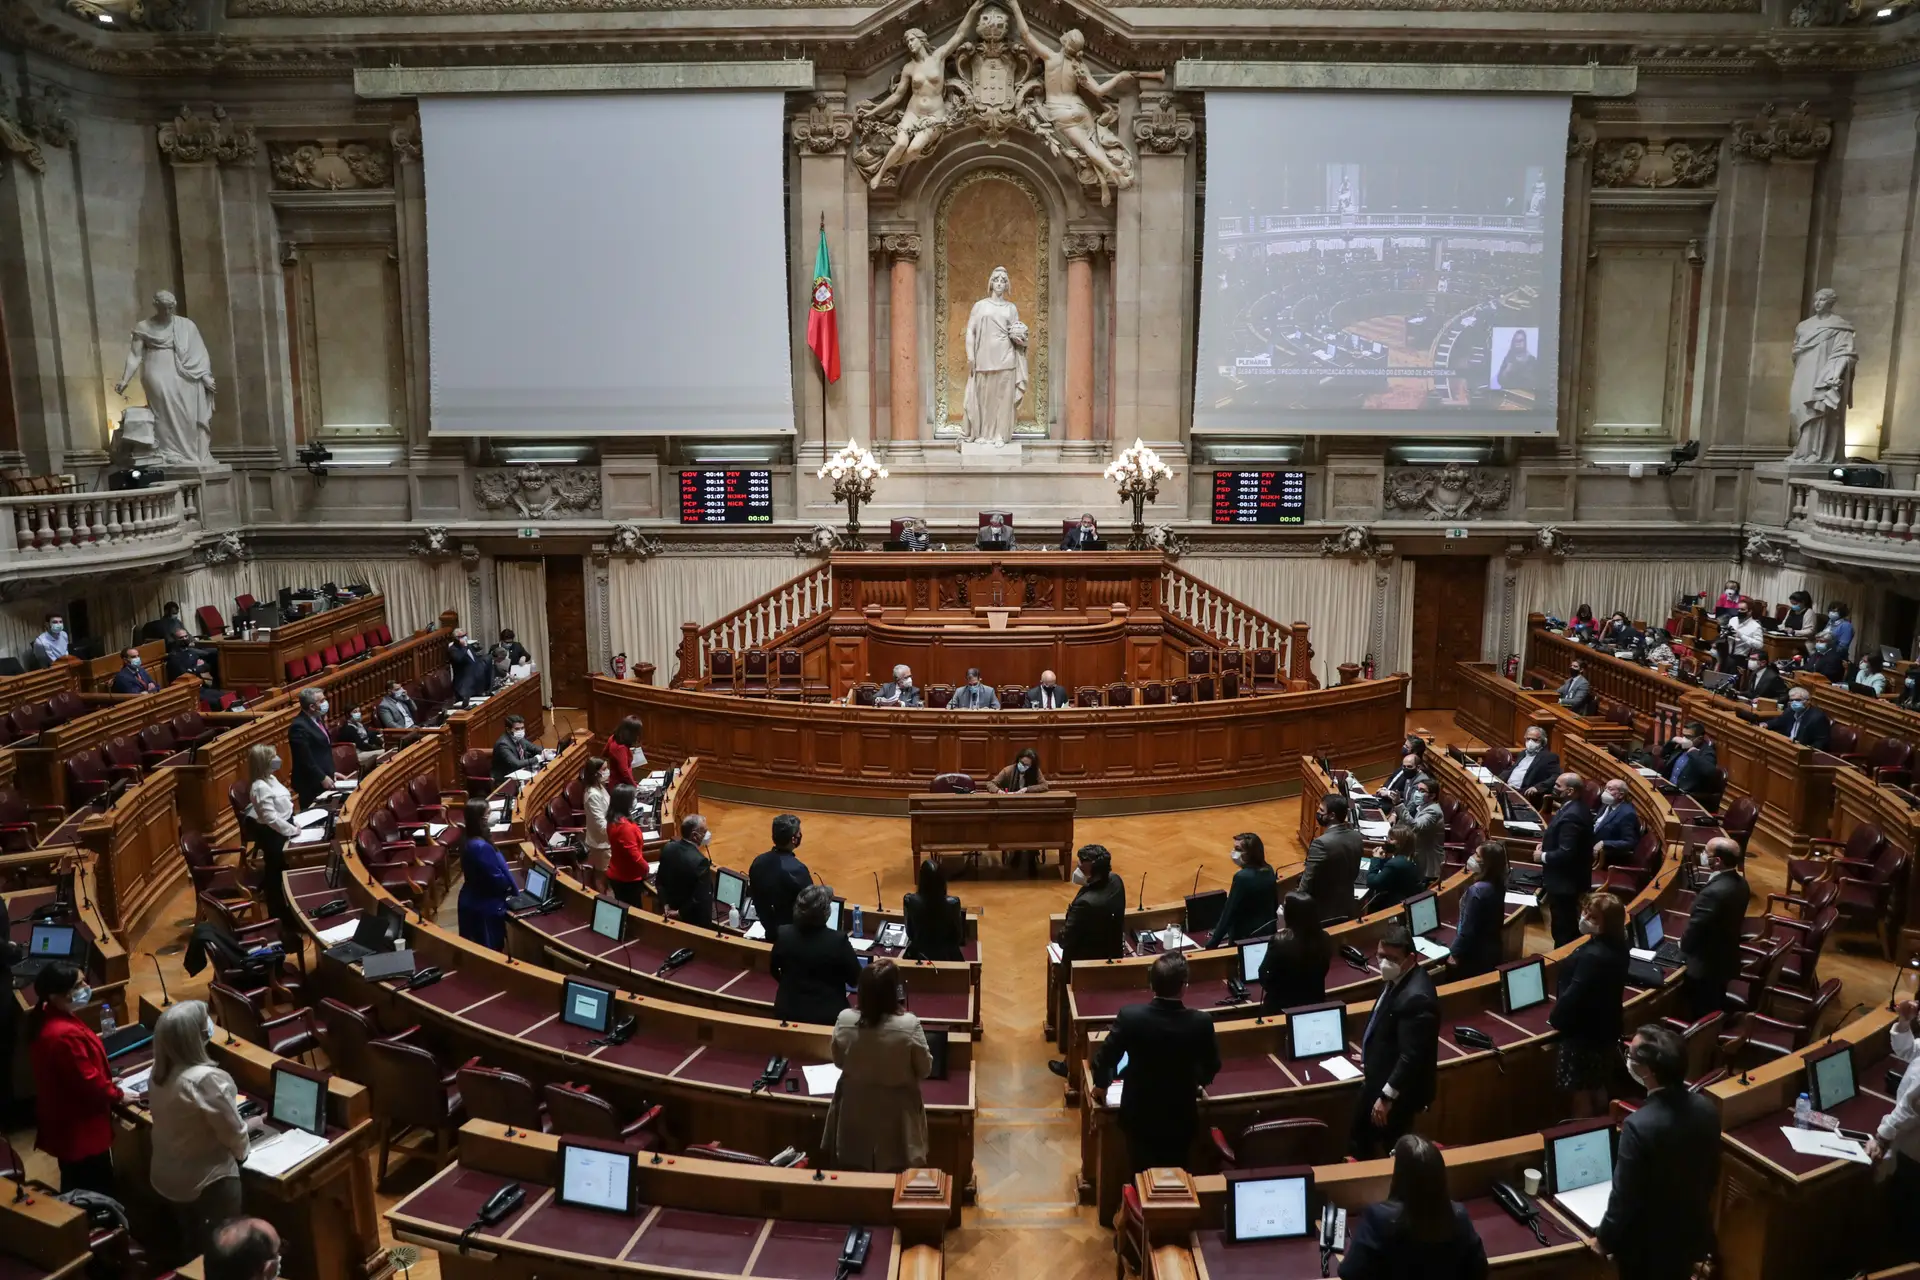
x: 500, y: 828
x: 136, y: 1082
x: 1339, y: 1068
x: 821, y: 1077
x: 307, y: 817
x: 521, y: 775
x: 1054, y: 953
x: 860, y: 944
x: 1374, y: 830
x: 1480, y: 773
x: 1114, y: 1092
x: 312, y: 835
x: 1521, y: 899
x: 435, y: 828
x: 338, y: 934
x: 757, y: 932
x: 1517, y: 824
x: 345, y: 784
x: 1589, y: 1204
x: 1645, y: 772
x: 1818, y: 1142
x: 1430, y: 950
x: 278, y: 1154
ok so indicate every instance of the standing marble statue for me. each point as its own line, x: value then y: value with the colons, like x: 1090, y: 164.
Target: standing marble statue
x: 1823, y: 360
x: 171, y: 359
x: 923, y: 88
x: 996, y: 365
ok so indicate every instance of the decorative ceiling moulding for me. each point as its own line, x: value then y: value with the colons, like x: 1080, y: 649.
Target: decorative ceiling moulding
x: 1588, y: 81
x: 676, y: 77
x: 1656, y: 163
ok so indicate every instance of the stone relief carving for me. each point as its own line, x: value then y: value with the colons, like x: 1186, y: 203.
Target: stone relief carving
x: 1761, y: 549
x: 224, y: 549
x: 1547, y: 540
x: 1451, y: 492
x: 421, y: 8
x: 1161, y: 126
x: 137, y: 15
x: 1820, y: 13
x: 1798, y: 135
x: 1162, y: 538
x: 628, y: 540
x: 329, y: 165
x: 30, y: 120
x: 432, y: 542
x: 190, y: 138
x: 1656, y: 162
x: 1580, y: 138
x: 1354, y: 540
x: 891, y: 245
x: 404, y: 138
x: 824, y: 127
x: 536, y: 493
x: 818, y: 541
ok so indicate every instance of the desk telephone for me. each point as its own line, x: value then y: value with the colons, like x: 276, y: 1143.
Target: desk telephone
x: 1474, y: 1038
x: 495, y: 1210
x: 620, y: 1032
x: 853, y: 1254
x: 1236, y: 990
x: 1333, y: 1236
x: 1519, y: 1208
x: 776, y: 1069
x: 326, y: 910
x: 423, y: 978
x: 673, y: 962
x: 1351, y: 954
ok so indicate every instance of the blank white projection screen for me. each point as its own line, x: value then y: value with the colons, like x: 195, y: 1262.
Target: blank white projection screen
x: 606, y: 264
x: 1381, y: 263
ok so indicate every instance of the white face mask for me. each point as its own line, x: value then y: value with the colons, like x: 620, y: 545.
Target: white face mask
x: 1389, y: 970
x: 276, y: 764
x: 1798, y: 705
x: 1419, y: 798
x: 81, y: 995
x: 56, y: 627
x: 320, y: 708
x: 354, y: 716
x: 519, y: 734
x: 1239, y: 859
x: 1022, y: 767
x: 1533, y: 746
x: 134, y: 662
x: 1473, y: 865
x: 1706, y: 860
x: 1588, y: 927
x: 1079, y: 875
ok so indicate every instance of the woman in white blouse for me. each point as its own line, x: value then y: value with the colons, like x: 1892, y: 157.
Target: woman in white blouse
x: 270, y: 805
x: 199, y: 1137
x: 593, y: 778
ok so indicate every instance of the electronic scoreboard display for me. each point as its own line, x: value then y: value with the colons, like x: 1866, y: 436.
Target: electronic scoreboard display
x: 1259, y: 497
x: 726, y: 497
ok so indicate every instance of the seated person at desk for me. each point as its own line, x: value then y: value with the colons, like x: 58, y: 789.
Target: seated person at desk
x: 1395, y: 876
x: 1575, y: 691
x: 472, y: 672
x: 1660, y: 648
x: 1729, y: 599
x: 1827, y: 662
x: 914, y: 535
x: 1294, y: 970
x: 133, y: 676
x: 368, y: 750
x: 1799, y: 621
x: 1803, y: 722
x: 995, y: 535
x: 1022, y: 775
x: 1764, y: 679
x: 776, y: 877
x: 72, y: 1082
x: 1047, y: 695
x: 935, y: 922
x: 1616, y: 828
x: 899, y: 691
x: 184, y: 659
x: 1535, y: 768
x: 1421, y: 814
x: 312, y: 748
x: 1483, y: 910
x: 1659, y: 1219
x: 1412, y: 770
x: 396, y: 709
x: 1586, y: 1010
x: 50, y: 645
x: 517, y: 654
x: 878, y: 1120
x: 487, y: 882
x: 1417, y: 1230
x: 199, y: 1137
x: 1172, y: 1053
x: 1691, y: 760
x: 1399, y: 1050
x: 1082, y: 535
x: 975, y: 695
x: 1870, y: 676
x: 243, y: 1249
x: 813, y: 964
x: 684, y: 880
x: 1619, y: 632
x: 513, y: 753
x: 1249, y: 912
x: 1582, y: 626
x: 1910, y: 697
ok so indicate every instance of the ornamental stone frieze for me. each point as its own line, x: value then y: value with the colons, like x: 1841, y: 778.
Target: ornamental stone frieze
x: 193, y: 139
x: 404, y: 138
x: 1161, y: 126
x: 536, y: 493
x: 825, y: 127
x: 1656, y: 162
x: 1452, y: 492
x: 1797, y: 135
x: 903, y: 246
x: 328, y: 164
x: 137, y: 15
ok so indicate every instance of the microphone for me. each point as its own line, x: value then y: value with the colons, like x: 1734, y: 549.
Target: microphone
x: 19, y: 1177
x: 879, y: 903
x: 1143, y: 892
x: 165, y: 999
x: 1196, y: 879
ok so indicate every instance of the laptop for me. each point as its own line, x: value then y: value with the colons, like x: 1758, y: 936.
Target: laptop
x: 376, y: 931
x: 1718, y: 681
x: 1653, y: 937
x: 48, y: 944
x: 1269, y: 1204
x: 387, y: 964
x: 300, y: 1098
x: 1580, y: 1168
x: 1523, y: 985
x: 596, y: 1175
x: 539, y: 890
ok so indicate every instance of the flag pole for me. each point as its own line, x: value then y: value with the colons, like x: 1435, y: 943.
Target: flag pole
x: 826, y: 448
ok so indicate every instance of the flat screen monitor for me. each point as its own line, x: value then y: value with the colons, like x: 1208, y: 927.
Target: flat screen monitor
x: 1523, y: 985
x: 1580, y: 1156
x: 300, y: 1099
x: 1252, y: 956
x: 730, y: 889
x: 1830, y: 1077
x: 1647, y: 925
x: 1316, y: 1030
x: 596, y: 1176
x: 1270, y: 1205
x: 726, y: 496
x: 1423, y: 915
x: 1259, y: 497
x: 1204, y: 911
x: 539, y: 881
x: 50, y: 942
x: 835, y: 912
x: 586, y: 1005
x: 609, y: 918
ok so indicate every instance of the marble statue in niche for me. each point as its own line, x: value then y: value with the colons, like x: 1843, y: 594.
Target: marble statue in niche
x: 166, y: 350
x: 921, y: 96
x: 996, y: 364
x: 1823, y: 359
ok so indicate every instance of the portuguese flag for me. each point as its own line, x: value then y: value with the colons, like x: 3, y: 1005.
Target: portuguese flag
x: 823, y: 329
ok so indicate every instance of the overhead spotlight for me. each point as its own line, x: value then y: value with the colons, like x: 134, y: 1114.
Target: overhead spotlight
x: 314, y: 458
x: 1680, y: 457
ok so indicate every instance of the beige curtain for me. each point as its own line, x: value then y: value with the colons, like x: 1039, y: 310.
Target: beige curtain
x: 1646, y: 589
x: 649, y: 599
x: 1334, y: 597
x: 522, y: 588
x: 1866, y: 604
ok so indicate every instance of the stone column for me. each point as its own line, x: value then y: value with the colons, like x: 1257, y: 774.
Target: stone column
x: 1080, y: 247
x: 410, y: 247
x: 902, y: 252
x: 1153, y: 275
x: 1576, y: 225
x: 1899, y: 410
x: 825, y: 187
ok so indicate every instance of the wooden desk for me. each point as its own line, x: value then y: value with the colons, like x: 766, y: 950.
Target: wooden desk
x: 1857, y: 801
x: 1792, y: 783
x: 993, y: 822
x: 98, y: 673
x: 1654, y: 698
x: 40, y: 772
x: 481, y: 726
x: 1873, y: 717
x: 360, y: 685
x: 1494, y: 709
x: 41, y: 1237
x: 263, y: 663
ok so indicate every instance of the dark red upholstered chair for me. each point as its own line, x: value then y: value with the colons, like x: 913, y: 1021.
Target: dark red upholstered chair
x: 1229, y: 684
x: 1861, y: 848
x: 156, y: 744
x: 293, y: 1035
x: 190, y: 729
x: 720, y: 669
x: 1266, y: 670
x: 386, y: 635
x: 211, y: 623
x: 1232, y: 660
x: 1153, y: 694
x: 1739, y: 819
x: 755, y: 673
x: 1119, y: 694
x: 242, y: 603
x: 1843, y: 740
x: 952, y: 784
x: 1203, y: 689
x: 502, y: 1097
x: 18, y: 834
x: 576, y: 1110
x: 865, y: 693
x: 939, y: 695
x: 424, y: 790
x: 1199, y: 662
x: 87, y: 778
x: 787, y: 671
x: 346, y: 760
x: 1182, y: 691
x: 1012, y: 696
x: 476, y: 770
x: 409, y: 1091
x: 1277, y: 1143
x: 330, y: 656
x: 1087, y: 695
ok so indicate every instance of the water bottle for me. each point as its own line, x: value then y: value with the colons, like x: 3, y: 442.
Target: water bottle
x: 733, y: 917
x: 107, y: 1023
x: 1803, y: 1113
x: 856, y: 923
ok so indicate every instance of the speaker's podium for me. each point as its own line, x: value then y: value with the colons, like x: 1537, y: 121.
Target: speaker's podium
x: 955, y: 823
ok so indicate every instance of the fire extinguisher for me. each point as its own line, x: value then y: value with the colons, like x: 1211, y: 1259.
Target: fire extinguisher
x: 1366, y: 667
x: 1511, y: 666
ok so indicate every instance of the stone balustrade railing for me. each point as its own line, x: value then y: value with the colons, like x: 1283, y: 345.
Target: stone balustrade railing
x: 72, y: 529
x: 1824, y: 510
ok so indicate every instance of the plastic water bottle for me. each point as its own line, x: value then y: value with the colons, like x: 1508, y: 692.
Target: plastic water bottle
x: 107, y: 1023
x: 856, y: 923
x: 1803, y: 1113
x: 733, y: 917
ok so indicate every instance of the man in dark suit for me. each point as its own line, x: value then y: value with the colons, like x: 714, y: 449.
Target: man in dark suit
x: 166, y: 626
x: 683, y: 873
x: 995, y: 534
x: 516, y: 652
x: 312, y: 748
x: 1333, y: 861
x: 171, y: 628
x: 1616, y: 828
x: 1096, y: 918
x: 472, y: 671
x: 776, y: 877
x: 1566, y: 854
x: 1081, y: 536
x: 1693, y: 766
x: 1411, y: 770
x: 1803, y: 722
x: 133, y: 676
x: 513, y: 752
x: 1047, y: 695
x: 1764, y: 680
x: 1171, y: 1053
x: 1399, y: 1050
x: 900, y: 691
x: 1828, y: 661
x: 1659, y: 1219
x: 185, y: 660
x: 1535, y: 768
x: 1712, y: 940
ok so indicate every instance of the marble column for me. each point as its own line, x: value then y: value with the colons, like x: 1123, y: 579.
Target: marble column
x: 1900, y: 409
x: 902, y: 252
x: 1575, y: 233
x: 410, y: 247
x: 1153, y: 276
x: 1080, y: 247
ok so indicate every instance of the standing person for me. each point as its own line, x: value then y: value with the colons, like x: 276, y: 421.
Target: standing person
x: 1840, y: 628
x: 813, y: 964
x: 627, y: 868
x: 936, y: 925
x: 1171, y: 1055
x: 270, y: 806
x: 1251, y: 895
x: 312, y: 748
x: 1294, y: 970
x: 1096, y: 918
x: 1418, y: 1230
x: 1728, y: 600
x: 1587, y: 1008
x: 1566, y: 855
x: 72, y: 1082
x: 594, y: 799
x: 776, y: 877
x: 512, y: 753
x: 877, y: 1120
x: 1798, y: 621
x: 1659, y: 1219
x: 1898, y: 1135
x: 1692, y: 763
x: 624, y: 755
x: 1421, y: 814
x: 1400, y: 1049
x: 486, y: 884
x: 684, y: 880
x: 1483, y: 910
x: 1712, y: 940
x: 199, y: 1137
x: 517, y: 654
x: 472, y: 671
x: 1022, y: 775
x: 1333, y: 861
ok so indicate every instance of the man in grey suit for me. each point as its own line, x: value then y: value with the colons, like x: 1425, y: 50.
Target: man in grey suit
x: 1659, y: 1219
x: 1421, y: 811
x: 1575, y: 693
x: 1333, y: 861
x: 975, y: 695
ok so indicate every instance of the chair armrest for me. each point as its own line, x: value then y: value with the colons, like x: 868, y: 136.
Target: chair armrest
x: 1854, y: 864
x: 301, y: 1016
x: 1800, y: 927
x: 1803, y: 1003
x: 1773, y: 1024
x: 1772, y: 898
x: 1221, y: 1146
x: 648, y: 1120
x: 1900, y: 777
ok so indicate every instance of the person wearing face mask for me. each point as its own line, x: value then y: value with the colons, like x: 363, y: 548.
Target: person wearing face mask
x: 1620, y: 633
x: 1394, y: 876
x: 776, y: 877
x: 1333, y: 861
x: 1728, y: 600
x: 1566, y: 855
x: 683, y: 878
x: 1535, y: 768
x: 1251, y: 895
x: 1399, y: 1050
x: 1483, y: 909
x: 1418, y: 1230
x: 52, y: 644
x: 243, y: 1249
x: 624, y: 756
x: 73, y: 1086
x: 1800, y: 619
x: 1712, y: 940
x: 358, y: 734
x: 1763, y: 680
x: 397, y: 709
x: 1022, y: 775
x: 1743, y: 634
x: 1827, y: 661
x: 595, y: 794
x: 312, y: 748
x: 486, y: 881
x: 199, y: 1136
x: 1586, y: 1009
x: 1871, y: 676
x: 1047, y: 695
x: 1839, y: 628
x: 1095, y: 919
x: 1412, y: 771
x: 270, y: 809
x: 1421, y: 814
x: 133, y: 676
x: 1803, y: 722
x: 1659, y: 1219
x: 1294, y: 970
x: 1660, y: 647
x: 1616, y: 828
x: 975, y: 695
x: 1910, y: 690
x: 1082, y: 536
x: 517, y: 655
x: 472, y: 671
x: 935, y: 922
x: 1692, y: 764
x: 1898, y: 1134
x: 513, y: 752
x: 900, y: 691
x: 1576, y: 692
x: 1172, y: 1053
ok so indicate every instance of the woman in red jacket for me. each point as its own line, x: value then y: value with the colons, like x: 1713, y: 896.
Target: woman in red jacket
x: 623, y: 752
x: 75, y: 1088
x: 627, y: 868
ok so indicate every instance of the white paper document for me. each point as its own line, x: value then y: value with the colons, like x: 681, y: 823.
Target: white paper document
x: 338, y: 934
x: 1521, y: 899
x: 277, y: 1155
x: 435, y: 828
x: 1374, y: 830
x: 1819, y: 1142
x: 1339, y: 1068
x: 500, y: 828
x: 345, y: 784
x: 821, y: 1078
x: 1430, y: 950
x: 312, y: 835
x: 1589, y: 1203
x: 1480, y: 773
x: 1516, y: 824
x: 1640, y: 953
x: 521, y: 775
x: 1114, y: 1092
x: 860, y: 944
x: 308, y: 817
x: 757, y: 932
x: 1054, y: 954
x: 136, y: 1082
x: 1644, y: 772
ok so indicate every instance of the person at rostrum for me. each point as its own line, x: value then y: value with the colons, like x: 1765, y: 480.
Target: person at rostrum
x: 1659, y: 1219
x: 74, y: 1087
x: 624, y: 756
x: 813, y: 964
x: 487, y: 881
x: 900, y: 691
x: 1022, y: 775
x: 244, y: 1249
x: 877, y: 1120
x: 1803, y: 722
x: 199, y: 1137
x: 1082, y: 535
x: 1096, y: 918
x: 1535, y: 768
x: 1616, y: 828
x: 684, y: 878
x: 472, y: 670
x: 1566, y: 855
x: 975, y: 695
x: 1251, y: 894
x: 1483, y: 910
x: 1171, y: 1055
x: 776, y: 877
x: 1294, y: 970
x: 1898, y: 1134
x: 1399, y: 1050
x: 1586, y: 1010
x: 627, y: 868
x: 1712, y: 939
x: 1418, y: 1230
x: 1047, y: 695
x: 133, y: 677
x: 1395, y: 876
x: 512, y: 752
x: 1333, y: 861
x: 936, y: 925
x: 270, y: 807
x: 594, y: 799
x: 517, y: 654
x: 1421, y: 814
x: 312, y: 748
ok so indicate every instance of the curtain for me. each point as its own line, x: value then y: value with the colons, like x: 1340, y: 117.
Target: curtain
x: 1333, y: 596
x: 1405, y: 639
x: 1867, y: 605
x: 523, y: 610
x: 649, y: 599
x: 1645, y: 589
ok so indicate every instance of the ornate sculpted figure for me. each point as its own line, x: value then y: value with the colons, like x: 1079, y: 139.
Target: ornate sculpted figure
x: 1823, y: 360
x: 1088, y: 142
x: 923, y: 88
x: 997, y: 364
x: 168, y: 354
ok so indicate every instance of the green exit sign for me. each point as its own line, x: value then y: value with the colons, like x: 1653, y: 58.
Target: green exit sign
x: 1451, y: 533
x: 534, y: 533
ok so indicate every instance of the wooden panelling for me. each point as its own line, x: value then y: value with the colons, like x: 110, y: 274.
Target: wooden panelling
x: 483, y: 725
x: 137, y: 845
x: 1792, y: 783
x: 38, y: 686
x: 263, y: 663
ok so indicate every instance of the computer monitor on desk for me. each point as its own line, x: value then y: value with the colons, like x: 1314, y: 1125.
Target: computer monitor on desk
x: 1316, y: 1031
x: 596, y: 1175
x: 300, y: 1098
x: 1268, y: 1205
x: 730, y: 890
x: 1830, y: 1080
x: 586, y: 1005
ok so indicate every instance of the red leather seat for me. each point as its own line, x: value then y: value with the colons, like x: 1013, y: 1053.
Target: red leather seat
x: 122, y: 755
x: 476, y: 769
x: 576, y: 1110
x: 87, y: 778
x: 190, y: 729
x: 156, y: 743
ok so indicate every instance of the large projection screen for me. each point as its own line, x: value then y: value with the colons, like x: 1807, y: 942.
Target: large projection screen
x: 606, y: 264
x: 1381, y: 263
